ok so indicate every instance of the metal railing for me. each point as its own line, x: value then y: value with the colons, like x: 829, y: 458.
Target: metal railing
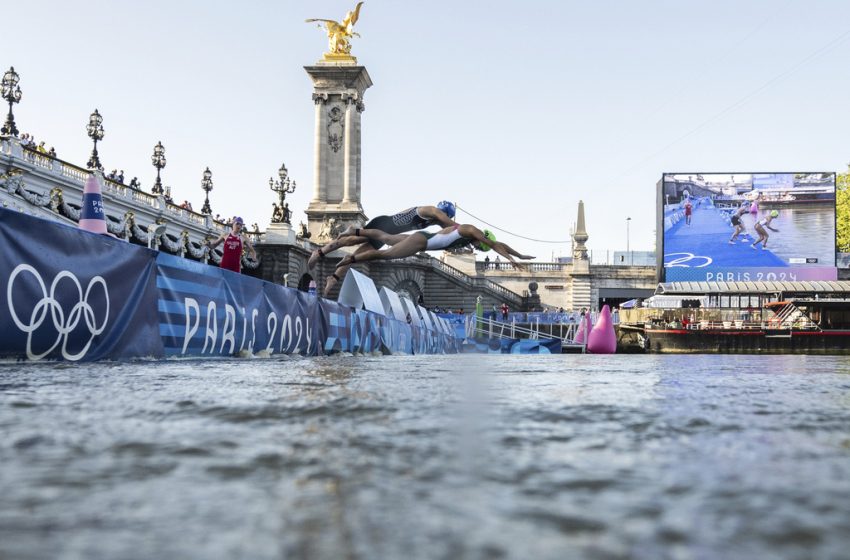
x: 481, y: 326
x: 504, y: 293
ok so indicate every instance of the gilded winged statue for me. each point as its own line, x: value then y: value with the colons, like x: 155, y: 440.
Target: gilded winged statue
x: 339, y: 33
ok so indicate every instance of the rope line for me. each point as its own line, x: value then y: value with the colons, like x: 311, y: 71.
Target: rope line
x: 457, y: 206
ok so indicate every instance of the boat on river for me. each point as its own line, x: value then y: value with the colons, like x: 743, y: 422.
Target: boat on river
x: 742, y: 317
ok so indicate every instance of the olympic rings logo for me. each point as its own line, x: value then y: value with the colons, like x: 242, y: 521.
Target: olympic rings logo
x: 685, y: 260
x: 63, y: 324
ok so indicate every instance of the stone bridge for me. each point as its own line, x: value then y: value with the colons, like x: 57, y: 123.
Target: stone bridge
x: 454, y: 281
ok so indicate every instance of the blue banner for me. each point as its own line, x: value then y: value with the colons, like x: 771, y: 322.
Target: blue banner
x: 73, y: 295
x: 208, y: 311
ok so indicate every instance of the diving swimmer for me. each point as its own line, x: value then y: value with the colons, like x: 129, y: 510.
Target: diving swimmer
x: 453, y: 237
x: 417, y: 217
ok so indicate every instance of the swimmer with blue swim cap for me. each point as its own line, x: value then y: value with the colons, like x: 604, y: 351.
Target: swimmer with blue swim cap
x: 415, y: 218
x: 454, y: 237
x: 761, y: 228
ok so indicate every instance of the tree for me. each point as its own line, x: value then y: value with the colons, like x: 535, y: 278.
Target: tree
x: 842, y: 212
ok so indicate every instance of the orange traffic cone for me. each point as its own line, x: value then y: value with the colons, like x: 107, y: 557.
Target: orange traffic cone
x: 92, y: 217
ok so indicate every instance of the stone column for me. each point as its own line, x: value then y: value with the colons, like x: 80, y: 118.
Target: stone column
x: 338, y: 89
x: 319, y: 99
x: 349, y: 172
x: 359, y: 154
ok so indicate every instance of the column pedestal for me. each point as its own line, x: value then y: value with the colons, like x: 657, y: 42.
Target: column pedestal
x: 336, y: 183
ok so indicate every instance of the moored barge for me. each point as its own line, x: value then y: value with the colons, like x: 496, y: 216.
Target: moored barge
x: 743, y: 317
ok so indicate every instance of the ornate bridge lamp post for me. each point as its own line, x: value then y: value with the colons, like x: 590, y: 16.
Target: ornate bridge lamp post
x: 158, y: 161
x: 207, y: 185
x: 95, y: 132
x: 282, y: 187
x: 11, y: 92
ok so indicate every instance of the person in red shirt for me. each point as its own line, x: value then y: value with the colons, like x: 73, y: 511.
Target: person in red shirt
x: 231, y: 258
x: 689, y: 209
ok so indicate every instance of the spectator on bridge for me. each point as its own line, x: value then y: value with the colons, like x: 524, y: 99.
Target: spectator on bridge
x: 505, y: 311
x: 418, y: 217
x: 487, y: 262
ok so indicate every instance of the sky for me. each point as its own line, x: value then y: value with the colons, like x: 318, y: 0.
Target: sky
x: 514, y: 110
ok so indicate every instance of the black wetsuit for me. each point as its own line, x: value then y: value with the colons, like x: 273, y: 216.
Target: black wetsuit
x: 406, y: 220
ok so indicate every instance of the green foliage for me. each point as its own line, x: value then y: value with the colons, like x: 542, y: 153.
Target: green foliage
x: 842, y: 211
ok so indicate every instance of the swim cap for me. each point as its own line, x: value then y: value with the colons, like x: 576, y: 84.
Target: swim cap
x: 489, y: 235
x: 447, y: 207
x: 238, y: 220
x: 774, y: 213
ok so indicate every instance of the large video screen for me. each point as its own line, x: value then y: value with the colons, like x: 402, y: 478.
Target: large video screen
x: 748, y: 227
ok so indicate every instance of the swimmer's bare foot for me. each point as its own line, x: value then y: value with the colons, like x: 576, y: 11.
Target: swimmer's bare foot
x: 346, y: 261
x: 347, y: 232
x: 330, y: 282
x: 314, y: 258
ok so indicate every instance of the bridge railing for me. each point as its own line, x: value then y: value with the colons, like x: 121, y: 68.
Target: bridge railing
x: 504, y: 293
x: 608, y: 257
x: 499, y: 329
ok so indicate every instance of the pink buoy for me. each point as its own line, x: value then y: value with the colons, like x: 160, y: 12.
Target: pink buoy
x: 583, y: 329
x: 579, y: 339
x: 754, y: 208
x: 602, y: 339
x: 92, y: 217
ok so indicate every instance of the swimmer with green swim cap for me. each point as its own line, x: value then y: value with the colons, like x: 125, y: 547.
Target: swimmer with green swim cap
x: 488, y: 235
x: 414, y: 218
x: 761, y: 228
x: 452, y: 237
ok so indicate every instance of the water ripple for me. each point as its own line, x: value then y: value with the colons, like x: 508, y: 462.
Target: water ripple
x: 634, y: 456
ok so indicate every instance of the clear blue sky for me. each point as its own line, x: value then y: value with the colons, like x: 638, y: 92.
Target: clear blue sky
x: 516, y: 110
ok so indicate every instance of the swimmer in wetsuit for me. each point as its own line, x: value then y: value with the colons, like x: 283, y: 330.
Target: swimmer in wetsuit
x: 452, y: 237
x: 418, y: 217
x: 760, y: 229
x: 738, y: 222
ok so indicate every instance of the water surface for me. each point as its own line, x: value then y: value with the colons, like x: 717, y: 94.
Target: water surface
x: 427, y: 457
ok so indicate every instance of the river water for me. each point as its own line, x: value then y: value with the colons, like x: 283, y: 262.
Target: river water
x: 503, y: 456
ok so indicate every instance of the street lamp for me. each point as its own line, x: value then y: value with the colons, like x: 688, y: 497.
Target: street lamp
x: 95, y: 132
x: 628, y: 252
x: 282, y: 188
x: 11, y: 92
x: 207, y: 185
x: 158, y: 161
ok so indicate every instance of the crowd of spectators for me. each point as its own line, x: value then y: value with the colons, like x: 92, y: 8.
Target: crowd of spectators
x: 28, y: 141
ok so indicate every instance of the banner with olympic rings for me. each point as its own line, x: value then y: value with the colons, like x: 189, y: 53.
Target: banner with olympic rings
x: 78, y: 296
x: 74, y: 295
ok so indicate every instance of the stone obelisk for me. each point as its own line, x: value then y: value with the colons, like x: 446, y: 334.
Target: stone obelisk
x: 338, y: 87
x: 581, y: 286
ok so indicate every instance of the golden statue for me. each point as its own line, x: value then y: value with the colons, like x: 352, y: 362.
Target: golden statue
x: 339, y: 33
